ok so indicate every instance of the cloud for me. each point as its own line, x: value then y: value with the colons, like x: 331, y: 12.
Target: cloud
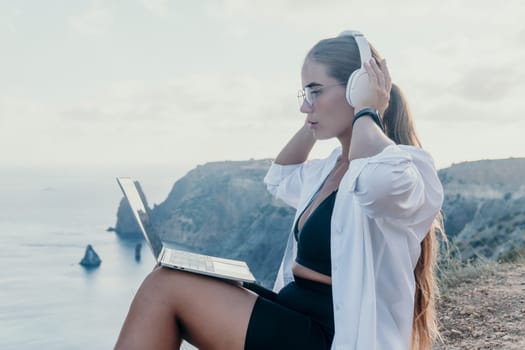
x: 8, y: 18
x: 219, y: 100
x: 447, y: 56
x: 27, y: 128
x: 15, y: 112
x: 94, y: 21
x: 82, y: 113
x: 297, y: 15
x: 211, y: 115
x: 158, y: 7
x: 521, y: 37
x: 488, y: 84
x: 450, y: 108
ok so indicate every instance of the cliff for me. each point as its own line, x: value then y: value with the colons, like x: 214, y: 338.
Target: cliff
x: 224, y: 209
x: 484, y: 208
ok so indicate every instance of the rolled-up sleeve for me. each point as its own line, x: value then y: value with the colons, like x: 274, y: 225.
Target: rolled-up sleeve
x: 393, y: 188
x: 285, y: 182
x: 400, y: 183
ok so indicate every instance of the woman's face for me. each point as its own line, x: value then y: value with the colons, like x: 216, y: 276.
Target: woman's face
x: 330, y: 115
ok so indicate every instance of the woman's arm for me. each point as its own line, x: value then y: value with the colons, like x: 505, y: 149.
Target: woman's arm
x: 390, y: 185
x: 296, y: 151
x: 367, y: 138
x: 285, y: 177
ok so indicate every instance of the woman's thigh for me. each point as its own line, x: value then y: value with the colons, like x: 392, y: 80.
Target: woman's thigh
x: 212, y: 314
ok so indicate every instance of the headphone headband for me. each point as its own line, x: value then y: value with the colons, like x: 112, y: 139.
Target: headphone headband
x: 364, y: 49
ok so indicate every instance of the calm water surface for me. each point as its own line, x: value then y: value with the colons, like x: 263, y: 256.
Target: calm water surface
x: 47, y: 217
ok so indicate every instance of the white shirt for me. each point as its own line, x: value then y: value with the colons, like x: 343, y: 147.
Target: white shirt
x: 383, y: 209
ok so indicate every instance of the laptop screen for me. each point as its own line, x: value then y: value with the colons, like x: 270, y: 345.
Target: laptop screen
x: 140, y: 213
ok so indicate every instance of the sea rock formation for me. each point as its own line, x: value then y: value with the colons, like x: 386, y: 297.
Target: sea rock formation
x: 126, y: 224
x: 91, y: 258
x: 138, y: 248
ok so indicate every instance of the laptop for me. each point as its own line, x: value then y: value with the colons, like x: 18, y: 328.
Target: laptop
x: 166, y: 254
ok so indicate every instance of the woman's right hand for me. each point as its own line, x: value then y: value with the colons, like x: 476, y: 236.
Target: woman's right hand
x: 380, y: 84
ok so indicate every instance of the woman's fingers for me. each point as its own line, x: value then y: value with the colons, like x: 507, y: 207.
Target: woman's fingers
x: 372, y: 75
x: 386, y: 72
x: 380, y: 83
x: 379, y: 74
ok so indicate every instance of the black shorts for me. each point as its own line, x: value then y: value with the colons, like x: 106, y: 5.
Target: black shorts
x: 300, y: 316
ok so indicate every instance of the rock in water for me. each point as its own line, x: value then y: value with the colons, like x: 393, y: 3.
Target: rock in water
x: 138, y: 247
x: 91, y: 258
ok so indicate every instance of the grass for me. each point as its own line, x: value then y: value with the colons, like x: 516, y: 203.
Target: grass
x: 453, y: 271
x: 514, y: 255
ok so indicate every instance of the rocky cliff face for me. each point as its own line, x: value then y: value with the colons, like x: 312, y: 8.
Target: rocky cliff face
x: 126, y: 224
x: 484, y: 207
x: 224, y: 209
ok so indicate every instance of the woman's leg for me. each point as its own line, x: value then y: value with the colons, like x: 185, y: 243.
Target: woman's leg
x: 171, y: 305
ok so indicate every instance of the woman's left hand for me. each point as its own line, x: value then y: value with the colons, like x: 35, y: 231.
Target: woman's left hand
x: 380, y: 84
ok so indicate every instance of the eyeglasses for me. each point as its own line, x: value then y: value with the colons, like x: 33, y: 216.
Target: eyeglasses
x: 310, y: 94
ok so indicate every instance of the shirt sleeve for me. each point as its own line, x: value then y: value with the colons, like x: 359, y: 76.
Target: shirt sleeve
x: 397, y: 186
x: 285, y: 182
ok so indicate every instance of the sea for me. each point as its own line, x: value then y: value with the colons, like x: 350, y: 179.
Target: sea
x: 48, y: 216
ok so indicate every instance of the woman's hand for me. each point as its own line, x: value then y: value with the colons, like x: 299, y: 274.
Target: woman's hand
x: 367, y: 139
x: 380, y: 85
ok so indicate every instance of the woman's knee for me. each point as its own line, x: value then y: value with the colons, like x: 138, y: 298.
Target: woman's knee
x: 161, y: 282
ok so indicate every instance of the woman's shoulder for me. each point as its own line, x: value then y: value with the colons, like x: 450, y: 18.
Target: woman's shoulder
x: 420, y: 156
x: 402, y: 153
x: 415, y: 150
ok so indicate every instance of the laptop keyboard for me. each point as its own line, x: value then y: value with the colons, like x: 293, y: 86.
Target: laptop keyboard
x: 190, y: 260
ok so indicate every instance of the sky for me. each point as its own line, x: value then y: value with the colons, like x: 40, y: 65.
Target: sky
x: 158, y: 82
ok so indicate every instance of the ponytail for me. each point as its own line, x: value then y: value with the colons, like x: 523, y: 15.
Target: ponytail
x: 398, y: 120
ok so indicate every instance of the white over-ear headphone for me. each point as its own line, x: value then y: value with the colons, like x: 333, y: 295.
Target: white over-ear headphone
x: 357, y: 88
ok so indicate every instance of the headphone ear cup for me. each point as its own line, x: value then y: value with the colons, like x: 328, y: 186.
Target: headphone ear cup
x: 349, y: 87
x: 358, y: 89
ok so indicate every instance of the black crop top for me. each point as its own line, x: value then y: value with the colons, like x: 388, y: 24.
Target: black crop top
x: 313, y: 242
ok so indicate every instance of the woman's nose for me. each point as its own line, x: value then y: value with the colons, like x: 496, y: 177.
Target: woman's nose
x: 305, y: 107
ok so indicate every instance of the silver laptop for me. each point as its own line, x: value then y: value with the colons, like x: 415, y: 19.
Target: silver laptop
x: 168, y: 255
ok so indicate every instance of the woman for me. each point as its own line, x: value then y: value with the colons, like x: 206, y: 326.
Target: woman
x: 358, y: 268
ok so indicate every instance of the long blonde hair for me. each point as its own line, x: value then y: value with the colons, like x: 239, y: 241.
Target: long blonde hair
x: 341, y: 57
x: 399, y: 127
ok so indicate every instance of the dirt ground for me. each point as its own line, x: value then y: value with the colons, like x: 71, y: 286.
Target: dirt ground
x: 485, y: 311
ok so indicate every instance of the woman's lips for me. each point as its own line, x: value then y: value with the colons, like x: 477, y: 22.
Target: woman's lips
x: 312, y: 124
